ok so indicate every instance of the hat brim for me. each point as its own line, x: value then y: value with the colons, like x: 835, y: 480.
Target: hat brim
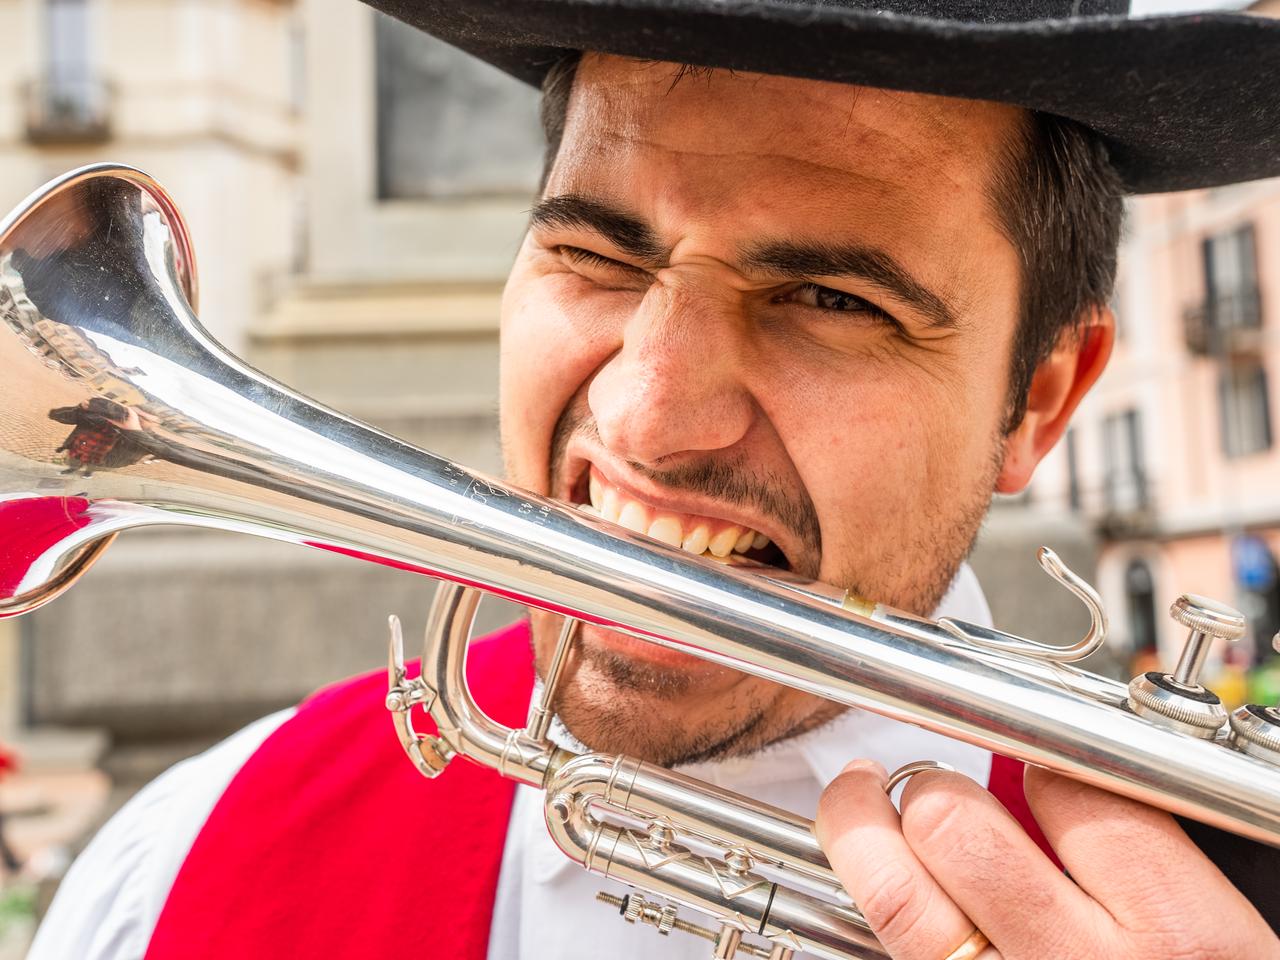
x: 1182, y: 101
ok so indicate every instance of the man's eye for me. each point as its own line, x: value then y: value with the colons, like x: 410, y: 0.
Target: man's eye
x: 589, y: 258
x: 813, y: 295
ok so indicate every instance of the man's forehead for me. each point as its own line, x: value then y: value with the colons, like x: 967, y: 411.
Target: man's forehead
x: 618, y: 99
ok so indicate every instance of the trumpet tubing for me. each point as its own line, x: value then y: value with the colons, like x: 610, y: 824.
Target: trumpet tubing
x: 97, y: 295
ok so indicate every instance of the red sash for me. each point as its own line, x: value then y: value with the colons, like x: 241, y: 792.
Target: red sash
x: 329, y: 844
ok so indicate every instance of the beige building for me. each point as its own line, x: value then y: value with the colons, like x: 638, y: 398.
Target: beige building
x: 356, y: 193
x: 203, y: 96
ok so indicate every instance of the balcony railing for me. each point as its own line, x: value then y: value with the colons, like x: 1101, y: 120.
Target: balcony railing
x: 1225, y: 324
x: 67, y: 110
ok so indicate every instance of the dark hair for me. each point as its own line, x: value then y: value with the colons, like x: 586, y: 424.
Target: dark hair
x: 1060, y: 202
x: 1057, y: 199
x: 556, y: 87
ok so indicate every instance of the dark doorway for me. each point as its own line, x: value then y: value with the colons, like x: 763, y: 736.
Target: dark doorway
x: 1140, y: 599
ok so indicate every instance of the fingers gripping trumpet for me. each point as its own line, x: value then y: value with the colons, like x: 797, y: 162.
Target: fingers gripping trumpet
x: 97, y: 299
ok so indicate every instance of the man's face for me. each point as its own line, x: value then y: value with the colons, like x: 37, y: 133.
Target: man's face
x: 754, y: 307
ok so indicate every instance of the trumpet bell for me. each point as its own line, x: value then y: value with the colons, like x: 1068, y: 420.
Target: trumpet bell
x: 89, y: 261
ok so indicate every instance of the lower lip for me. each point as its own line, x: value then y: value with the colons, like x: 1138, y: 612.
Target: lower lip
x: 653, y: 653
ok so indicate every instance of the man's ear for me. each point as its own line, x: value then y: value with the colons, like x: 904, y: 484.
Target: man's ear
x: 1057, y: 387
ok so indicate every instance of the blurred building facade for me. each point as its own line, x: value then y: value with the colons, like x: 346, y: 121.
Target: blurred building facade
x: 1169, y: 477
x: 1173, y: 459
x: 204, y: 96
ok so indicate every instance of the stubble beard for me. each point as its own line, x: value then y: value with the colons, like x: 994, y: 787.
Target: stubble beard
x: 618, y: 705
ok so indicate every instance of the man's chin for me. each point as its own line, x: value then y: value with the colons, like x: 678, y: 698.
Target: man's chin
x: 627, y: 696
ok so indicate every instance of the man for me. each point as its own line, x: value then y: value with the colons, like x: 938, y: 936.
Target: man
x: 106, y: 435
x: 768, y: 302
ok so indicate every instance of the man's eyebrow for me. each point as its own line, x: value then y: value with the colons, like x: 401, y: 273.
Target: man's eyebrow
x: 808, y: 260
x: 626, y: 231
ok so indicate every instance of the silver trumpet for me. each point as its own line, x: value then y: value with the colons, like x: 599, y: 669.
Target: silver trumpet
x: 97, y: 296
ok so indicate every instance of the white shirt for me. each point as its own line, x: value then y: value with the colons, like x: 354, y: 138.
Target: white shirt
x: 545, y: 909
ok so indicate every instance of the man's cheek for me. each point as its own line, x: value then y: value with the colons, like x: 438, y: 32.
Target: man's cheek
x: 868, y: 511
x: 536, y: 383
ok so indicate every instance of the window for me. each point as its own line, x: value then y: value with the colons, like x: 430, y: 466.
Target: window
x: 1124, y: 473
x: 449, y: 125
x: 1231, y: 280
x: 67, y: 43
x: 1244, y: 406
x: 67, y: 102
x: 297, y: 63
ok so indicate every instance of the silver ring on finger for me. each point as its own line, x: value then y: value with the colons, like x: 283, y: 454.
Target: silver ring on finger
x: 907, y: 771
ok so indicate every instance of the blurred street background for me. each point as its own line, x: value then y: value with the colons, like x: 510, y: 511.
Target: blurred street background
x: 356, y: 192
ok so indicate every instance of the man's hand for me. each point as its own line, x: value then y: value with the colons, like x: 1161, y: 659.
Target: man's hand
x: 955, y: 860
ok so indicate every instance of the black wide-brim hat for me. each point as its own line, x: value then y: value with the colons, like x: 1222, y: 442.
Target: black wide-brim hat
x: 1182, y: 101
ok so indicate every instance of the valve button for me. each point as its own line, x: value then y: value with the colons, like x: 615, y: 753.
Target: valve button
x: 1208, y: 616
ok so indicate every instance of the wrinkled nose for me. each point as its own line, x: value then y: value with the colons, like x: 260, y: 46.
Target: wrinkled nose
x: 675, y: 384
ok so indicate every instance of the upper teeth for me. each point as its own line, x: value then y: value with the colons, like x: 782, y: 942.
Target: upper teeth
x: 695, y: 534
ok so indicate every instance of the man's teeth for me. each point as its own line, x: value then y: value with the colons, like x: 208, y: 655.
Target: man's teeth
x: 723, y: 543
x: 692, y: 535
x: 697, y: 539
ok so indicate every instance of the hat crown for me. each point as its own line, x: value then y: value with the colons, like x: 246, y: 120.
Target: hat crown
x: 988, y: 11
